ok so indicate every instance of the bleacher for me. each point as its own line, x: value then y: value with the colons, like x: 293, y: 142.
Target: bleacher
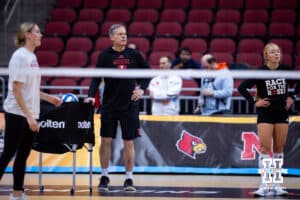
x: 234, y: 31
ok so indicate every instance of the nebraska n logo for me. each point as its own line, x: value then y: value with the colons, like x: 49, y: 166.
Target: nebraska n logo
x: 190, y: 145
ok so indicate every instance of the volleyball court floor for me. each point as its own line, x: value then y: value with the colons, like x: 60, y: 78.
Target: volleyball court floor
x: 152, y: 186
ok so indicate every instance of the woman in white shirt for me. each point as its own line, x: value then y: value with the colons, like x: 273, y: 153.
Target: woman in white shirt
x: 22, y: 104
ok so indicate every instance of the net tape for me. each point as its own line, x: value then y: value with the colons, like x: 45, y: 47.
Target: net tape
x: 149, y: 73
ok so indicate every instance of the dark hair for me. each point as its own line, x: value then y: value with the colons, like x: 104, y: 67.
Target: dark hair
x: 186, y: 49
x: 211, y: 60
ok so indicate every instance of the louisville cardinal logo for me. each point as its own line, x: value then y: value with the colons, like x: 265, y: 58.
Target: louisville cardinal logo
x: 190, y: 145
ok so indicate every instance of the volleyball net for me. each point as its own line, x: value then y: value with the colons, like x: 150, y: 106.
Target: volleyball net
x: 76, y: 80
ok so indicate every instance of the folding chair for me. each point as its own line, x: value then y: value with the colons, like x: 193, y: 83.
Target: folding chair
x: 66, y: 129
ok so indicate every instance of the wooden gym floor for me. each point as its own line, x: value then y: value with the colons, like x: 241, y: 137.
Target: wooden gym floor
x: 162, y: 187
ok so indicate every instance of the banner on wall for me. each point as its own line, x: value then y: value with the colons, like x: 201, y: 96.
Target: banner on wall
x: 209, y: 145
x: 184, y: 144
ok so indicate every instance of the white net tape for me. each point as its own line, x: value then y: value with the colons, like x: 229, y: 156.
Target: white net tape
x: 148, y: 73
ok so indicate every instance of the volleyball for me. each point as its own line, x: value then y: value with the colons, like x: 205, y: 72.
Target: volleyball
x: 69, y: 97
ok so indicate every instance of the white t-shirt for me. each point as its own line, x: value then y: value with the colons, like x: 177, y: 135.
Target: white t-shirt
x: 23, y: 67
x: 165, y: 88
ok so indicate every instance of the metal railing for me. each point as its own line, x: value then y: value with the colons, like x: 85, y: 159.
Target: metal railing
x: 187, y: 103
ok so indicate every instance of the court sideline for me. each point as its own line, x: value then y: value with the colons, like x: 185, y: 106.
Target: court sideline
x: 173, y: 187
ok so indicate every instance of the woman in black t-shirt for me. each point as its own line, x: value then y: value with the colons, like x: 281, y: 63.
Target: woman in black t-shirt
x: 272, y: 104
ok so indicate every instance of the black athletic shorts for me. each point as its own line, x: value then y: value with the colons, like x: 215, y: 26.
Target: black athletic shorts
x: 129, y: 122
x: 272, y: 116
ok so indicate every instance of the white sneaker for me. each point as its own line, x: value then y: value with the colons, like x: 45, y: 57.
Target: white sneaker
x: 277, y: 189
x: 12, y: 197
x: 262, y: 191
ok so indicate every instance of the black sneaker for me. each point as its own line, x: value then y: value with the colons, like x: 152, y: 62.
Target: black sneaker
x: 103, y: 185
x: 128, y: 185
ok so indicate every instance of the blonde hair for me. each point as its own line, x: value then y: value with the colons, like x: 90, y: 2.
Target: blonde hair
x: 267, y: 47
x: 20, y: 36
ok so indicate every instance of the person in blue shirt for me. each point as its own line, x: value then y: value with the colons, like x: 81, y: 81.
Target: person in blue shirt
x: 215, y: 95
x: 185, y: 60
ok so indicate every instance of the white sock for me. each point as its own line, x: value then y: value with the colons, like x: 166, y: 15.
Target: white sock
x: 260, y: 159
x: 260, y: 163
x: 104, y: 172
x: 129, y: 175
x: 280, y: 156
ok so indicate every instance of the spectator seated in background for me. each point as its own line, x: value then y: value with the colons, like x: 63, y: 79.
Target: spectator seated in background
x: 185, y: 61
x: 215, y: 94
x: 164, y: 90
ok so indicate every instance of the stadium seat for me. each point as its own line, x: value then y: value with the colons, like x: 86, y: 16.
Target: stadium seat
x: 287, y: 60
x: 63, y: 14
x: 201, y: 15
x: 90, y: 14
x: 94, y: 58
x: 252, y: 29
x: 146, y: 4
x: 68, y: 3
x: 261, y: 4
x: 231, y: 16
x: 155, y: 56
x: 47, y: 58
x: 85, y: 28
x: 172, y: 15
x: 203, y: 4
x: 297, y: 62
x: 102, y: 43
x: 141, y: 29
x: 224, y: 30
x: 197, y: 56
x: 74, y: 59
x: 57, y: 29
x: 223, y: 45
x: 189, y: 87
x: 253, y: 59
x: 283, y: 16
x: 118, y: 15
x: 165, y: 44
x: 180, y: 4
x: 250, y: 46
x: 256, y: 15
x: 195, y: 45
x: 236, y: 84
x: 196, y: 29
x: 79, y: 44
x: 281, y: 30
x: 62, y: 82
x: 297, y: 50
x: 105, y: 28
x: 51, y: 44
x: 121, y: 4
x: 145, y: 15
x: 168, y: 29
x: 231, y: 4
x: 286, y: 45
x: 142, y: 44
x: 95, y: 4
x: 285, y: 4
x: 223, y: 57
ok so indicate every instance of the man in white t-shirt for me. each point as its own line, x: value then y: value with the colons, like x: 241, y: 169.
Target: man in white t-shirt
x: 164, y: 91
